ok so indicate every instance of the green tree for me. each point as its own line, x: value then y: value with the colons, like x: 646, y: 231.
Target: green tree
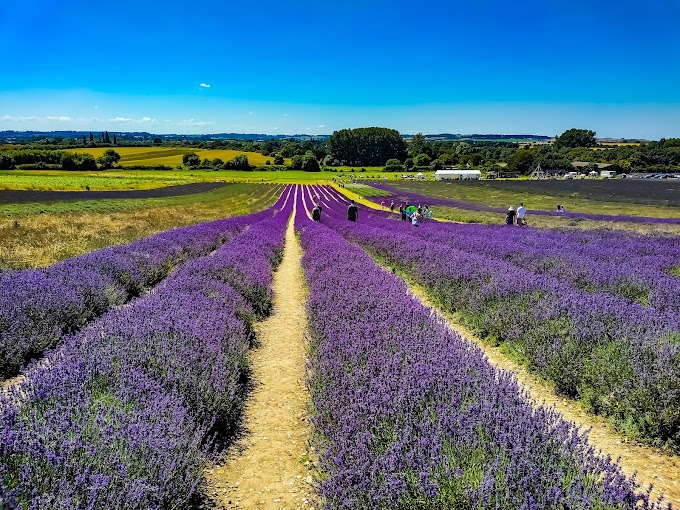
x: 521, y: 161
x: 115, y: 142
x: 394, y: 165
x: 310, y: 164
x: 422, y: 160
x: 106, y: 137
x: 417, y: 145
x: 366, y: 146
x: 157, y: 141
x: 576, y: 138
x: 84, y: 141
x: 240, y: 162
x: 6, y: 162
x: 109, y: 159
x: 91, y: 137
x: 296, y: 162
x: 278, y: 160
x: 191, y: 159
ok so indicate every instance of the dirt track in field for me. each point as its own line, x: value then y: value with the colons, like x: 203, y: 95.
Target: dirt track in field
x: 21, y: 196
x: 652, y: 466
x: 271, y: 467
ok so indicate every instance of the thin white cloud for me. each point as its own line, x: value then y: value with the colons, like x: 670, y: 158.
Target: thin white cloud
x: 285, y: 115
x: 194, y: 123
x: 96, y: 107
x: 31, y: 118
x: 205, y: 85
x: 60, y: 119
x: 321, y: 126
x: 143, y: 120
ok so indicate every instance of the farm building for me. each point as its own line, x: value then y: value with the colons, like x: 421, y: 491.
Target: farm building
x: 457, y: 175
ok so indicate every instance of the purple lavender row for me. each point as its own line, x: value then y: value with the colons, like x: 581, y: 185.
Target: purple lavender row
x: 631, y: 266
x: 416, y: 198
x: 38, y: 307
x: 408, y: 415
x: 628, y: 265
x: 125, y: 413
x: 615, y: 356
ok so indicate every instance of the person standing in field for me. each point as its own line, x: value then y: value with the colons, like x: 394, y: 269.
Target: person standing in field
x: 382, y: 205
x: 392, y: 206
x: 510, y: 217
x: 316, y: 213
x: 402, y: 211
x: 352, y: 212
x: 415, y: 219
x: 521, y: 213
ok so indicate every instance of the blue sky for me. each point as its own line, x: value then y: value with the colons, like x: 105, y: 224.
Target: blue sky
x: 482, y: 66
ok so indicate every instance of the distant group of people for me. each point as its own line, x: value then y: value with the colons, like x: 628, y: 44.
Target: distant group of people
x: 560, y: 209
x: 409, y: 213
x: 516, y: 217
x: 414, y: 214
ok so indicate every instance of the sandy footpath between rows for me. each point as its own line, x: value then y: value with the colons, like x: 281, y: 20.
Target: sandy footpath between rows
x: 271, y: 468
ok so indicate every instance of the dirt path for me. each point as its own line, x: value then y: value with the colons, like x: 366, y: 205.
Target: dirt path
x: 271, y: 467
x: 652, y: 466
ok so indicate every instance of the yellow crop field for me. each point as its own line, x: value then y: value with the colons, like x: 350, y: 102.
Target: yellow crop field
x: 172, y: 156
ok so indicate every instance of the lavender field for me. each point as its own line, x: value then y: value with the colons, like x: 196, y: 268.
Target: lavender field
x: 134, y: 361
x: 125, y: 412
x: 408, y: 415
x: 594, y: 312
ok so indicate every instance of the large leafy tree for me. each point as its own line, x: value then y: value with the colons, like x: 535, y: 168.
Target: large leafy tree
x: 191, y: 159
x: 367, y: 146
x: 419, y: 145
x: 576, y: 138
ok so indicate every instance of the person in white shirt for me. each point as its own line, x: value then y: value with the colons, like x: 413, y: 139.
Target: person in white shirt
x: 521, y: 212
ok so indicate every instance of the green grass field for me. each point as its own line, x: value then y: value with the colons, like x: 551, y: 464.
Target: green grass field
x: 39, y: 234
x: 122, y: 179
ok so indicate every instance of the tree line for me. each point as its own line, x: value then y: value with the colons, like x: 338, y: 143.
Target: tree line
x: 55, y: 159
x: 377, y: 146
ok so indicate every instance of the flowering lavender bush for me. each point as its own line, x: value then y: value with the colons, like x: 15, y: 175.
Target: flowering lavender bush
x: 618, y: 357
x: 37, y: 307
x: 632, y: 266
x: 408, y: 415
x: 123, y: 414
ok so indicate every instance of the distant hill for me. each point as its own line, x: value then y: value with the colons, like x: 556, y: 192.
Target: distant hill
x: 31, y: 136
x: 28, y: 136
